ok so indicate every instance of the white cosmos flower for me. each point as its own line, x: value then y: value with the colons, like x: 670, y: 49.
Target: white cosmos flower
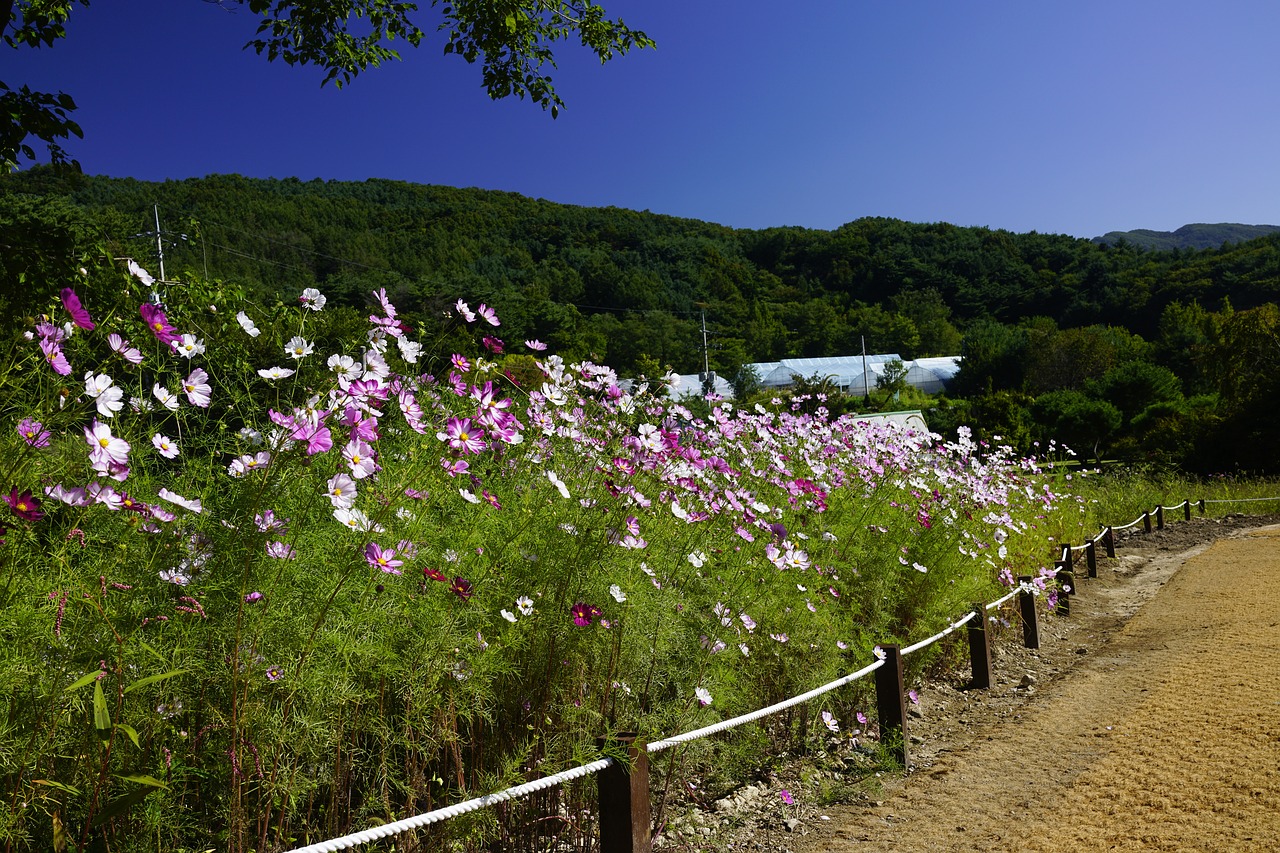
x: 525, y: 605
x: 703, y: 695
x: 298, y: 348
x: 190, y: 346
x: 274, y: 373
x: 247, y: 324
x: 617, y: 593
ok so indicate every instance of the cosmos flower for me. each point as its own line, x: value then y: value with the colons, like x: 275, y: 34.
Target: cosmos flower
x: 245, y: 323
x: 271, y: 374
x: 33, y: 433
x: 535, y: 345
x: 24, y: 505
x: 79, y: 315
x: 488, y: 314
x: 298, y: 348
x: 383, y: 558
x: 167, y: 447
x: 187, y: 503
x: 312, y: 299
x: 703, y: 695
x: 525, y: 605
x: 197, y: 388
x: 158, y: 323
x: 189, y: 346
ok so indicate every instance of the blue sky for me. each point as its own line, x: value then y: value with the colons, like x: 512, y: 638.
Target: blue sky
x: 1076, y: 118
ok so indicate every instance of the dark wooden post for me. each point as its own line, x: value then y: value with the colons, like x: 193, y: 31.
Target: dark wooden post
x: 1027, y: 607
x: 1110, y: 541
x: 1146, y: 522
x: 624, y: 799
x: 1066, y: 588
x: 1067, y: 556
x: 1186, y: 510
x: 1201, y: 505
x: 979, y: 649
x: 891, y: 703
x: 1091, y: 558
x: 1159, y: 518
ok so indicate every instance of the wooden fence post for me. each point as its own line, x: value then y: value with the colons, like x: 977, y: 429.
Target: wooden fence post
x: 1027, y: 607
x: 1186, y: 510
x: 1067, y: 556
x: 1091, y: 558
x: 1159, y: 518
x: 979, y: 649
x: 623, y: 790
x: 1146, y: 522
x: 1110, y: 541
x: 891, y: 704
x: 1201, y: 505
x: 1066, y: 588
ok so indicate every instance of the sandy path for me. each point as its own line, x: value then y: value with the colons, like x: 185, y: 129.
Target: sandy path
x: 1167, y: 737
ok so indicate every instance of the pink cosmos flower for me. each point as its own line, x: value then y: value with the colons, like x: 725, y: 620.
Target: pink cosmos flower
x: 535, y: 345
x: 490, y: 316
x: 167, y: 447
x: 197, y: 388
x: 121, y: 348
x: 359, y: 458
x: 281, y: 551
x: 158, y: 323
x: 192, y: 504
x: 494, y: 345
x: 79, y: 316
x: 465, y: 311
x: 33, y: 433
x: 383, y: 558
x: 54, y: 357
x: 460, y: 362
x: 455, y: 467
x: 341, y: 491
x: 103, y: 446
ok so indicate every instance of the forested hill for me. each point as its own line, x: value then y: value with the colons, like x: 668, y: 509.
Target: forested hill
x: 630, y: 285
x: 1196, y: 236
x: 1115, y: 348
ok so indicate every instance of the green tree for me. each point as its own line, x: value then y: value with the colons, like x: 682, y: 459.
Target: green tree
x: 511, y: 39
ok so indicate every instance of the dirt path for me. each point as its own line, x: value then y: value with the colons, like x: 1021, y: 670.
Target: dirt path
x: 1165, y: 736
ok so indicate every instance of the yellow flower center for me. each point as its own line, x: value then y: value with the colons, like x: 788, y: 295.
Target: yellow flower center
x: 104, y: 441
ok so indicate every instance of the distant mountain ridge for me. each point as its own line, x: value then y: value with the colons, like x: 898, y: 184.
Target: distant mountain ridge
x: 1195, y: 236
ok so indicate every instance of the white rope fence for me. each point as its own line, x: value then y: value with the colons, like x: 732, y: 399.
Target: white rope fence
x: 396, y: 827
x: 915, y: 647
x: 659, y: 745
x: 1237, y: 500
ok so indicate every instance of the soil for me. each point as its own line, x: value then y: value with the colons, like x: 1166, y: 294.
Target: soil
x: 1149, y: 719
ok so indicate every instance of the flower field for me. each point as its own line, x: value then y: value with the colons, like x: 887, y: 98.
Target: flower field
x: 271, y: 574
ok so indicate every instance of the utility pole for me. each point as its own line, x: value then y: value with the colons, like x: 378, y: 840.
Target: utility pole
x: 159, y: 244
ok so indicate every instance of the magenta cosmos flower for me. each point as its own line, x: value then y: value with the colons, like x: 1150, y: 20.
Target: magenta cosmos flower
x: 158, y: 323
x: 79, y: 316
x: 383, y: 558
x: 24, y: 506
x: 583, y: 614
x: 463, y: 435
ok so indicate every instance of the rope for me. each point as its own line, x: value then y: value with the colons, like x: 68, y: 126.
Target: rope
x: 938, y: 636
x: 1103, y: 535
x: 999, y: 601
x: 1238, y: 500
x: 406, y: 824
x: 1133, y: 523
x: 658, y: 746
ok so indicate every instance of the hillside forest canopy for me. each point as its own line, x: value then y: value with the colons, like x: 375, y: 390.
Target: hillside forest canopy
x: 1165, y: 356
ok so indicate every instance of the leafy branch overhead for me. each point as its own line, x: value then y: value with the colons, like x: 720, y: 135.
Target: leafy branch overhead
x: 512, y: 39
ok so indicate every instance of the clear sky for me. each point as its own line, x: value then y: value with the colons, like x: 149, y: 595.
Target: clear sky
x: 1076, y: 117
